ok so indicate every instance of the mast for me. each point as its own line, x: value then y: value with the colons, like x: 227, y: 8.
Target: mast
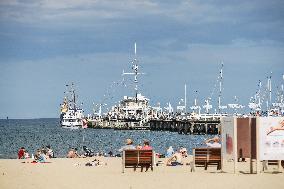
x: 135, y: 69
x: 220, y: 88
x: 269, y: 89
x: 282, y: 90
x: 74, y: 96
x: 259, y: 97
x: 184, y: 98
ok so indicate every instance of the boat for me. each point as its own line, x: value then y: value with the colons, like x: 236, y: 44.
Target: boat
x: 132, y: 111
x: 71, y: 114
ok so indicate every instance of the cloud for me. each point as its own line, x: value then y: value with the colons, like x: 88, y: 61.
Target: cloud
x: 178, y: 41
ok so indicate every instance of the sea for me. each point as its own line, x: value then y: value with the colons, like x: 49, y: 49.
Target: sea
x: 34, y: 134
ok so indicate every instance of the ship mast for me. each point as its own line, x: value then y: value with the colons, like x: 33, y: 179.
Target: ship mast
x: 74, y: 96
x: 220, y: 107
x: 184, y: 98
x: 268, y: 101
x: 135, y: 72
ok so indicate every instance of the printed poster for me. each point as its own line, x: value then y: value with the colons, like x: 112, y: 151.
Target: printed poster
x: 227, y: 137
x: 271, y: 138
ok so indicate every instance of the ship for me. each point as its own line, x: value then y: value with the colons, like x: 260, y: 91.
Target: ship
x: 132, y: 112
x: 71, y: 115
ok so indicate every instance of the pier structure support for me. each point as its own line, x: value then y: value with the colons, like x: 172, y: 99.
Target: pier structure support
x: 206, y: 128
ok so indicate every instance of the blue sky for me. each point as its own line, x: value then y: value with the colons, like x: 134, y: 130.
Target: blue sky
x: 48, y: 43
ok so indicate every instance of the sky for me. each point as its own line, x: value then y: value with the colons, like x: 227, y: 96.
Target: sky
x: 45, y: 44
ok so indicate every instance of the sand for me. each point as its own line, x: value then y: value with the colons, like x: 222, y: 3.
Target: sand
x: 72, y: 173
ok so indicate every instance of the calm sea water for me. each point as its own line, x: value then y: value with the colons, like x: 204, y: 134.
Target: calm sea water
x: 36, y: 133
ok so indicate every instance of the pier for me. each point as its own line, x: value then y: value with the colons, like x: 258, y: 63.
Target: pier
x: 192, y: 127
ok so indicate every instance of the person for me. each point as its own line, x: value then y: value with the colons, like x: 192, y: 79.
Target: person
x: 42, y: 157
x: 73, y: 153
x: 176, y: 158
x: 110, y: 153
x: 37, y: 154
x: 183, y: 152
x: 49, y: 153
x: 213, y: 142
x: 129, y: 145
x: 26, y: 155
x: 139, y: 147
x: 146, y: 145
x: 170, y: 152
x: 21, y: 153
x: 88, y: 152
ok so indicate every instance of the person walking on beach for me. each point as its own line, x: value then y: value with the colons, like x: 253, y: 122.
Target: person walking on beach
x: 129, y: 145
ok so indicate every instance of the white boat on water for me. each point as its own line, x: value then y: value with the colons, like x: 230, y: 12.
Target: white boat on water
x: 71, y: 114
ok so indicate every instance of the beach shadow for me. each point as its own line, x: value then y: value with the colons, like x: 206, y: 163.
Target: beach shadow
x: 246, y: 173
x: 254, y: 173
x: 218, y: 172
x: 274, y: 172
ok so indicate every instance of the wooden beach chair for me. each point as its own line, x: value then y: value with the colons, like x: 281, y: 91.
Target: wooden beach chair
x: 138, y: 158
x: 203, y: 157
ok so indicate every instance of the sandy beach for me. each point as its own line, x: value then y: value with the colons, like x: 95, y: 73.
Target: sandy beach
x: 72, y: 173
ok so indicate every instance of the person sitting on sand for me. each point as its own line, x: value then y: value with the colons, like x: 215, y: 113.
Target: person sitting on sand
x: 183, y: 151
x: 88, y: 152
x: 49, y: 151
x: 37, y: 154
x: 43, y: 157
x: 213, y: 142
x: 129, y: 145
x: 176, y: 158
x: 72, y: 153
x: 21, y: 153
x: 146, y: 145
x: 170, y: 152
x: 110, y: 153
x: 26, y: 155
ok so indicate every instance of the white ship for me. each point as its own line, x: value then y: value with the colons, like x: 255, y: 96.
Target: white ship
x: 71, y: 114
x: 131, y: 112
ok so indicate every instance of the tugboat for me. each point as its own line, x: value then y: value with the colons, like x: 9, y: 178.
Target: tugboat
x: 71, y: 115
